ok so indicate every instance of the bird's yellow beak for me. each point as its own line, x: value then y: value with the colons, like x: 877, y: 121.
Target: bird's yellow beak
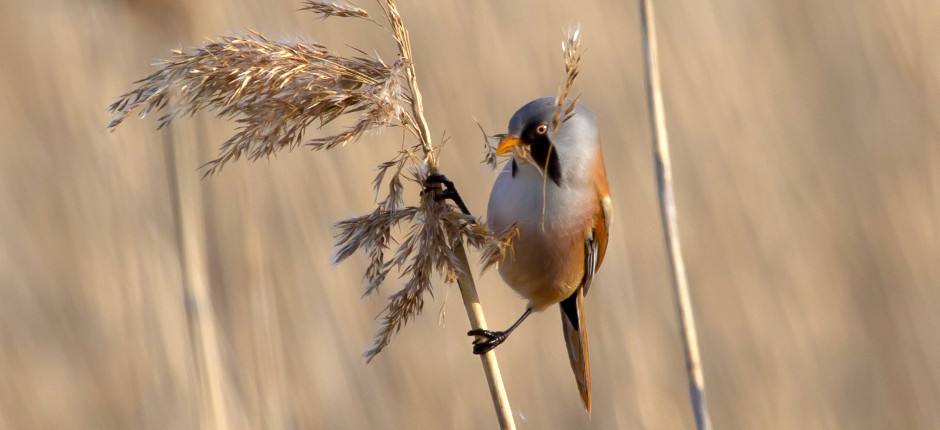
x: 506, y: 144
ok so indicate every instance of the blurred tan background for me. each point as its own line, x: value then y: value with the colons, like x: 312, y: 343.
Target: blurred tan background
x: 807, y: 159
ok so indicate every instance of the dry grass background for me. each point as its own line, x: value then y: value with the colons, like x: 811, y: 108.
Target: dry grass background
x: 805, y: 138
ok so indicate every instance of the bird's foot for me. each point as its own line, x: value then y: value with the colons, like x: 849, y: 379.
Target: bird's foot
x: 449, y: 191
x: 432, y: 180
x: 487, y: 339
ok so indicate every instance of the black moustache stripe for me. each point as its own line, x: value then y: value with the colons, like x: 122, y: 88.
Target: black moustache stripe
x: 543, y: 151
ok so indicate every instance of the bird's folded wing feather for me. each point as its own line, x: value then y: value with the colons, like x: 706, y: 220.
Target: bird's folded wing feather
x: 572, y: 308
x: 604, y: 213
x: 596, y: 243
x: 576, y: 340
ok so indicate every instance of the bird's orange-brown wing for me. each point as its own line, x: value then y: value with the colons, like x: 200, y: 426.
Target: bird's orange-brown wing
x: 572, y: 308
x: 605, y: 209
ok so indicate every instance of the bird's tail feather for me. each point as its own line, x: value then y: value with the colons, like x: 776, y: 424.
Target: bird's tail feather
x: 576, y: 339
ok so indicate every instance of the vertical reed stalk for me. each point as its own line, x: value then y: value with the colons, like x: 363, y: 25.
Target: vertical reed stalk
x: 468, y: 291
x: 471, y: 302
x: 200, y: 314
x: 667, y: 206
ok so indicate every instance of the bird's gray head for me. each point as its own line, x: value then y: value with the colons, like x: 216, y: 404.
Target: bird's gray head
x: 565, y: 153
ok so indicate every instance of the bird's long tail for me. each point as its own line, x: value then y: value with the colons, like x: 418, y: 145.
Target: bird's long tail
x: 576, y: 339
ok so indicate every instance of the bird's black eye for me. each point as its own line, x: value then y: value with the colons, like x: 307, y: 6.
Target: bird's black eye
x: 541, y: 129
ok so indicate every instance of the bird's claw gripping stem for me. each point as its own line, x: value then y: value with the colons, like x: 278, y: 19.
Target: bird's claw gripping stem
x: 486, y: 340
x: 449, y: 192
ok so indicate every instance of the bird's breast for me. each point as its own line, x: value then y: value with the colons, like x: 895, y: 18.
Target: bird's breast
x: 547, y: 261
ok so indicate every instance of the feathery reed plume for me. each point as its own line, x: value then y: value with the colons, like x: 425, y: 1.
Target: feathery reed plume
x: 327, y: 9
x: 571, y: 47
x: 273, y: 90
x: 490, y: 142
x: 498, y: 247
x: 428, y: 248
x: 668, y: 212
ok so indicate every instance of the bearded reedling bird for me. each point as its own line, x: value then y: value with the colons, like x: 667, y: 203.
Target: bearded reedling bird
x: 555, y: 190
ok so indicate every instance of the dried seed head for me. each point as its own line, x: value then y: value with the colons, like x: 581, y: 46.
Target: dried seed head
x: 273, y: 90
x: 429, y: 247
x: 571, y: 47
x: 373, y: 234
x: 490, y: 142
x: 327, y: 9
x: 498, y: 247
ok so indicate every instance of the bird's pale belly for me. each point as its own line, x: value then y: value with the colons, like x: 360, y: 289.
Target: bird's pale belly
x: 546, y: 267
x: 547, y: 262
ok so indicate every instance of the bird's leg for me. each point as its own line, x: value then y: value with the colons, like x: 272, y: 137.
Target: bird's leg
x: 487, y: 339
x: 449, y: 191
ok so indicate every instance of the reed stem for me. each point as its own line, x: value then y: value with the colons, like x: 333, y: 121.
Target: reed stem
x: 471, y: 302
x: 667, y: 206
x: 468, y: 291
x: 200, y: 313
